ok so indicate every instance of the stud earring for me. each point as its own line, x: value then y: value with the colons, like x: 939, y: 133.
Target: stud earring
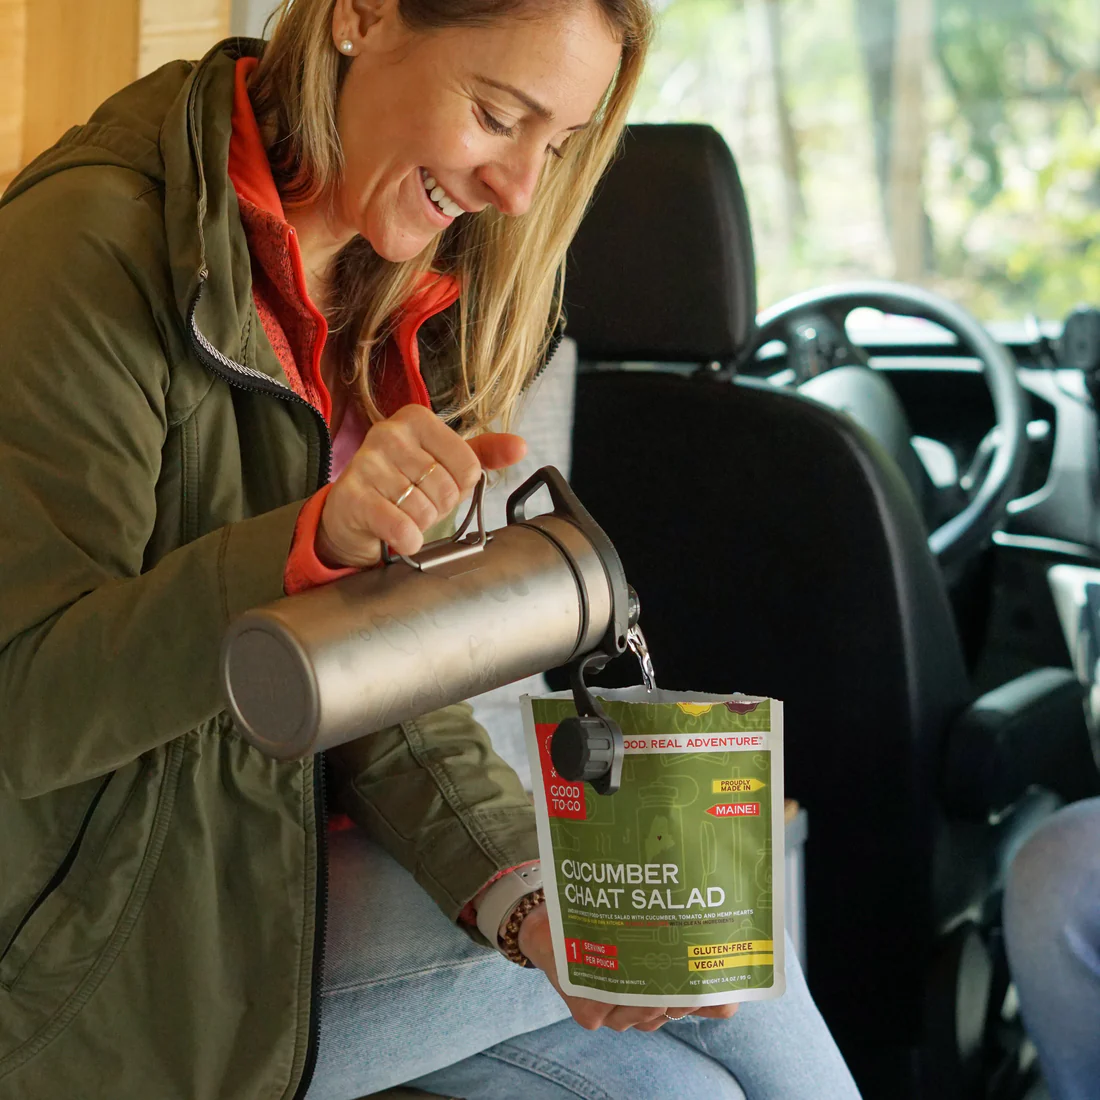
x: 347, y: 46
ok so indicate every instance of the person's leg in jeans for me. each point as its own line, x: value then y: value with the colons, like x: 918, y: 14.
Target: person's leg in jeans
x: 1052, y: 929
x: 405, y: 991
x: 407, y: 995
x: 771, y: 1050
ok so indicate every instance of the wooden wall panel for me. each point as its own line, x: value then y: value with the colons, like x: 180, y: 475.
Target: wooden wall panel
x: 171, y: 29
x: 78, y: 53
x: 13, y: 33
x: 59, y: 59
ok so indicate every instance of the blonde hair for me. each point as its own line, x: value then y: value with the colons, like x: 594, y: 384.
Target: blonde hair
x: 510, y: 269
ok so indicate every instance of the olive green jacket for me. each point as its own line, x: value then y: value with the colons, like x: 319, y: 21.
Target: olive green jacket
x: 162, y: 884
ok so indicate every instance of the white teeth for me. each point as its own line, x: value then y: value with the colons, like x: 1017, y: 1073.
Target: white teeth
x: 440, y: 197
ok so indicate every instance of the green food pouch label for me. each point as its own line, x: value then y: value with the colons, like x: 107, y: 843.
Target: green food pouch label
x: 668, y: 893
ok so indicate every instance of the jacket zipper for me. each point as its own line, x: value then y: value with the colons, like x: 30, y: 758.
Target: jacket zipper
x: 63, y: 868
x: 245, y: 378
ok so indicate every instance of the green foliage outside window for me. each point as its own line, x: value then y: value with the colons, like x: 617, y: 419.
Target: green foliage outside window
x: 948, y: 142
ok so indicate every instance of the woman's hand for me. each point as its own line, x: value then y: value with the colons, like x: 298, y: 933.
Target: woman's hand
x: 411, y: 448
x: 535, y: 943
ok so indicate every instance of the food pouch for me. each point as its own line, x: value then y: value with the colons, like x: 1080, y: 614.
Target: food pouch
x: 668, y: 893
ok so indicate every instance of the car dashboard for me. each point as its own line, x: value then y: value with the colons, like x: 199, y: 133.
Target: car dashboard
x: 1006, y: 614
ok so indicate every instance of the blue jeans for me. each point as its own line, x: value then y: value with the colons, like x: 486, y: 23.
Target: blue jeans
x: 408, y: 997
x: 1052, y: 928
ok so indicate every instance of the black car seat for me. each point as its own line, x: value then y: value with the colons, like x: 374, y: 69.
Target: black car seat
x: 778, y: 551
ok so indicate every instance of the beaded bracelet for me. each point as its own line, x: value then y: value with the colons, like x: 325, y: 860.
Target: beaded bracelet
x: 508, y: 937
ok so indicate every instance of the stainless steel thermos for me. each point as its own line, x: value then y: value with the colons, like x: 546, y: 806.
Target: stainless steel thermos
x: 464, y: 615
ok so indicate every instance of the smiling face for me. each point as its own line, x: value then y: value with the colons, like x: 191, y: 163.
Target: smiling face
x: 440, y: 124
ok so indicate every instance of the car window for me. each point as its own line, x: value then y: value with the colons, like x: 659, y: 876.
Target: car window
x: 951, y: 143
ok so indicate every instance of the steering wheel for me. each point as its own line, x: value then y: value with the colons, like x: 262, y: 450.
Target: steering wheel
x: 829, y: 368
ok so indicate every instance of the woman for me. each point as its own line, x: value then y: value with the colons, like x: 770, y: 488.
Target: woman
x: 209, y: 292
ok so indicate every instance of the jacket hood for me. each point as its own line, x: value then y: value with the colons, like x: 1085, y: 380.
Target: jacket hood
x: 174, y: 127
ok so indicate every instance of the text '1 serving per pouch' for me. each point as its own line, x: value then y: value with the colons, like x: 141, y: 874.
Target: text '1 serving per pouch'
x: 669, y: 892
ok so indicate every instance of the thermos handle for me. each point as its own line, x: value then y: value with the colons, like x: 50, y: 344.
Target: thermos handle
x: 459, y: 545
x: 567, y: 506
x: 565, y: 500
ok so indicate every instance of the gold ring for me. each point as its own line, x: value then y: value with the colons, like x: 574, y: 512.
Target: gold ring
x: 414, y: 485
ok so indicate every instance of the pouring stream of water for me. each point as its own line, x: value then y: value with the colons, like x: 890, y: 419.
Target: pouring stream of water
x: 636, y: 643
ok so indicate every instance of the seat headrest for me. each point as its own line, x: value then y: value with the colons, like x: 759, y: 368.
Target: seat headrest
x: 662, y: 268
